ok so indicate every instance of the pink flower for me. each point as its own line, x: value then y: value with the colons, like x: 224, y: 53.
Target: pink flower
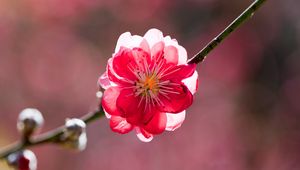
x: 148, y: 85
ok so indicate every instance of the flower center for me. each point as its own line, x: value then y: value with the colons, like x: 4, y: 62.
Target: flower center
x: 151, y: 83
x: 148, y: 85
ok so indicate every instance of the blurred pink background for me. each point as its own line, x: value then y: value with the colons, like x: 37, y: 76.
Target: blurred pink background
x: 246, y: 114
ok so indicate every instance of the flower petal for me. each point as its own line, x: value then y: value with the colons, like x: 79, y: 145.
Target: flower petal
x: 145, y: 46
x: 107, y: 115
x: 130, y: 106
x: 153, y: 36
x: 127, y: 62
x: 182, y: 55
x: 129, y: 41
x: 103, y: 81
x: 143, y: 135
x: 168, y: 41
x: 109, y: 101
x: 134, y: 109
x: 120, y: 125
x: 113, y: 77
x: 178, y: 73
x: 123, y: 41
x: 136, y: 41
x: 157, y: 124
x: 177, y: 100
x: 171, y: 54
x: 157, y: 50
x: 141, y: 58
x: 192, y: 82
x: 121, y: 63
x: 174, y: 121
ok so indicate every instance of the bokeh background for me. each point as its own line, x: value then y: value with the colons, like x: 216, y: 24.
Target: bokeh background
x: 246, y: 114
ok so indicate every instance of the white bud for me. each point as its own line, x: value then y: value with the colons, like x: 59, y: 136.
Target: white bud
x: 99, y: 94
x: 29, y: 120
x: 25, y: 159
x: 74, y: 127
x: 79, y: 144
x: 74, y: 136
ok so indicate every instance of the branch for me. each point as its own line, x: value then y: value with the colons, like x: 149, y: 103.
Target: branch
x: 48, y: 137
x: 200, y: 56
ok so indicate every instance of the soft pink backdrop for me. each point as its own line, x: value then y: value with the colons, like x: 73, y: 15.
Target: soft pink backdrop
x: 246, y: 113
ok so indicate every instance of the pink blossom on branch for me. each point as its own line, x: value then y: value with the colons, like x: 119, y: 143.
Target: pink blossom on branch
x: 148, y: 85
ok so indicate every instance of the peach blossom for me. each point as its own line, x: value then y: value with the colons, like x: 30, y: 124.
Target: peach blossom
x: 148, y: 85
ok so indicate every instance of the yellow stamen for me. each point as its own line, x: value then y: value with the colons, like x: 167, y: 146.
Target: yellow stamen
x: 150, y: 83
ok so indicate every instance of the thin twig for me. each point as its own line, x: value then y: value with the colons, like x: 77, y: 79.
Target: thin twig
x: 200, y: 56
x: 48, y: 137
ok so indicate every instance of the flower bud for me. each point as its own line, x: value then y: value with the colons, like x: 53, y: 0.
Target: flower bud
x: 74, y: 136
x: 23, y: 160
x: 99, y: 94
x: 30, y: 119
